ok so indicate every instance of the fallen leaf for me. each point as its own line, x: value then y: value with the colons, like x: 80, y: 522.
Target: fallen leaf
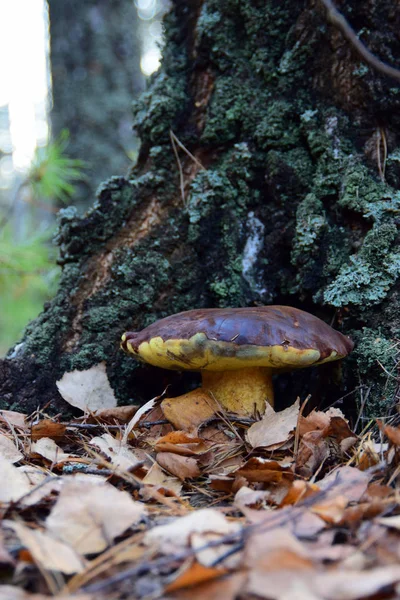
x: 264, y: 470
x: 247, y: 497
x: 17, y: 483
x: 48, y: 429
x: 117, y: 414
x: 299, y: 490
x: 117, y: 451
x: 225, y: 588
x: 318, y: 420
x: 13, y: 418
x: 275, y: 428
x: 211, y: 551
x: 190, y: 410
x: 393, y: 522
x: 312, y: 452
x: 352, y: 585
x: 89, y: 515
x: 193, y: 573
x: 332, y: 510
x: 52, y: 554
x: 47, y: 448
x: 184, y: 467
x: 138, y: 415
x: 183, y: 443
x: 393, y: 434
x: 88, y: 390
x: 157, y: 478
x: 176, y: 535
x: 8, y: 449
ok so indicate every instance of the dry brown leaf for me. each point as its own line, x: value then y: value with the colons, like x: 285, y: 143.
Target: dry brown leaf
x: 117, y: 451
x: 393, y: 434
x: 88, y: 390
x: 52, y: 554
x: 183, y: 443
x: 313, y: 451
x: 162, y: 482
x: 274, y: 429
x: 48, y: 429
x: 8, y: 449
x: 89, y: 515
x: 264, y: 470
x: 176, y: 535
x: 117, y: 414
x: 318, y: 420
x: 184, y: 467
x: 331, y: 511
x: 193, y: 573
x: 47, y: 448
x: 221, y: 483
x: 189, y: 411
x: 345, y: 481
x: 299, y: 490
x: 13, y: 418
x: 225, y: 588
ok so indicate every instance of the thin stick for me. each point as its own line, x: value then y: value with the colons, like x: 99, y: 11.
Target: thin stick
x: 348, y: 32
x: 178, y: 160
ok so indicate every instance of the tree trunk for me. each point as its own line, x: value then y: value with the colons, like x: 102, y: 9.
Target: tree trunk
x: 290, y: 196
x: 95, y: 57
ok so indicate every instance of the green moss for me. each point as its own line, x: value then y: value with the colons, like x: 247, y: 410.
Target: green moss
x: 376, y: 357
x: 367, y: 279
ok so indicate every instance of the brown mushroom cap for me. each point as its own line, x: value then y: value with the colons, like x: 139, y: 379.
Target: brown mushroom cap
x: 234, y: 338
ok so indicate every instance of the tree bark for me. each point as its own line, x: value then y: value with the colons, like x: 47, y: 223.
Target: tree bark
x: 291, y: 196
x: 95, y: 58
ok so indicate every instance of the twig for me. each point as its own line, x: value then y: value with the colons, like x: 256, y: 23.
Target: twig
x: 348, y: 32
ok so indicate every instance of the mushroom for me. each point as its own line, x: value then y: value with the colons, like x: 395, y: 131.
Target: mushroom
x: 237, y: 350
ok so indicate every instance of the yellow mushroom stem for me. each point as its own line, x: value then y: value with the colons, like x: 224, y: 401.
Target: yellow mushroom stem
x: 241, y: 391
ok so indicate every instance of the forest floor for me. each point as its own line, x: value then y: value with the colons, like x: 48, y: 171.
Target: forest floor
x: 119, y: 503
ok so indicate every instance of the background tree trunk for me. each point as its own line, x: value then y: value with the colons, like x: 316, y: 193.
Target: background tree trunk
x: 95, y: 68
x: 297, y: 203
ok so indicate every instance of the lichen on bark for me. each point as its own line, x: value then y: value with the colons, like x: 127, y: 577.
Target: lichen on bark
x: 286, y: 129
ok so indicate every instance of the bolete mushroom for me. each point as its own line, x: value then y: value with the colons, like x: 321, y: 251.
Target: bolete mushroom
x: 237, y: 350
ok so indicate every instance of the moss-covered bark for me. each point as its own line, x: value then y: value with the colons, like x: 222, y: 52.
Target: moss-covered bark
x: 292, y: 205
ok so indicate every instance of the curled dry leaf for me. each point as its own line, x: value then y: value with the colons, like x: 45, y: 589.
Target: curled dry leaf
x: 13, y: 419
x: 48, y: 429
x: 224, y: 588
x: 82, y: 517
x: 393, y: 434
x: 117, y: 451
x: 183, y: 443
x: 88, y: 390
x: 8, y: 449
x: 52, y: 554
x: 275, y: 428
x: 176, y: 535
x: 184, y: 467
x: 193, y: 573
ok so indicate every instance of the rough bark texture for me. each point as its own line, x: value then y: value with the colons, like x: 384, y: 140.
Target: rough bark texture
x: 95, y: 57
x: 291, y: 207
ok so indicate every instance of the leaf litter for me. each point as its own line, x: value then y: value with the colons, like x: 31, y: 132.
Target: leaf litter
x: 151, y: 502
